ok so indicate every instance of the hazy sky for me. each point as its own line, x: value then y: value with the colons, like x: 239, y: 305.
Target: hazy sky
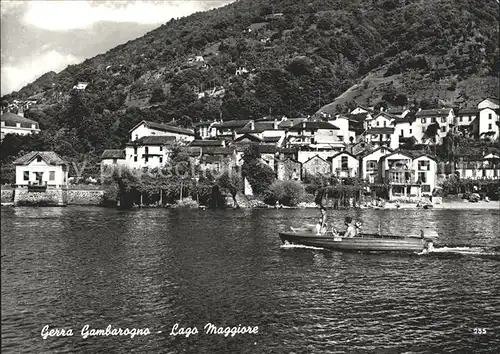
x: 40, y: 36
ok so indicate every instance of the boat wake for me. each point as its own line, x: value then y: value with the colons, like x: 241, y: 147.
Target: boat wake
x: 289, y: 245
x: 463, y: 250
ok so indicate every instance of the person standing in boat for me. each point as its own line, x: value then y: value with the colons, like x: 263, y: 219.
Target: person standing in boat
x: 321, y: 226
x: 351, y: 228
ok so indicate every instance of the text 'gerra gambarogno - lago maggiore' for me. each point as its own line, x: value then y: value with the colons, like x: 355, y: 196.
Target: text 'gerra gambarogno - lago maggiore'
x: 176, y: 330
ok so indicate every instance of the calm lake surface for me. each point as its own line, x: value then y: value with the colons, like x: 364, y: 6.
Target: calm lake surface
x: 151, y: 268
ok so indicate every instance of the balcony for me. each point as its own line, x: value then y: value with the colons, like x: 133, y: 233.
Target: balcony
x: 38, y: 186
x: 402, y: 177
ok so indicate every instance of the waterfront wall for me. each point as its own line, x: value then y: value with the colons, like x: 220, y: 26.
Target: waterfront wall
x: 85, y: 197
x: 48, y: 197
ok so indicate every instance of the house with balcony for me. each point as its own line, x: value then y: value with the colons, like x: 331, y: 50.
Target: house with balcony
x: 149, y: 151
x: 267, y: 131
x: 228, y: 129
x: 315, y: 135
x: 344, y: 164
x: 206, y: 129
x: 39, y: 170
x: 370, y: 164
x: 347, y: 132
x: 444, y: 118
x: 382, y: 136
x: 464, y: 119
x: 148, y: 128
x: 408, y: 174
x: 12, y: 123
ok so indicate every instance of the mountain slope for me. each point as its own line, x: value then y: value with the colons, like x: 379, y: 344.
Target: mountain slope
x: 295, y: 61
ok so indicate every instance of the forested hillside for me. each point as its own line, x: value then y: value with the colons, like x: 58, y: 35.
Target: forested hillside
x: 285, y: 57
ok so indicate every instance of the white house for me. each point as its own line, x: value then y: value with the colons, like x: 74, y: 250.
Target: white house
x: 81, y: 86
x: 113, y: 157
x: 147, y: 128
x: 383, y: 136
x: 149, y: 151
x: 370, y: 164
x: 345, y: 164
x: 488, y: 118
x: 315, y: 134
x: 41, y: 169
x: 361, y: 109
x: 345, y: 133
x: 206, y: 130
x: 229, y: 129
x: 443, y: 117
x: 17, y: 124
x: 408, y: 175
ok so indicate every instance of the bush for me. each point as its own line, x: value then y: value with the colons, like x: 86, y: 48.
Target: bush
x: 187, y: 203
x: 289, y: 193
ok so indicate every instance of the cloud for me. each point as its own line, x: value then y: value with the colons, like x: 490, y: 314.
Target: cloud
x: 67, y: 15
x: 15, y: 76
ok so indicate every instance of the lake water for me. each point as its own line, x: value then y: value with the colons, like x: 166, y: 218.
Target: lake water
x: 76, y: 266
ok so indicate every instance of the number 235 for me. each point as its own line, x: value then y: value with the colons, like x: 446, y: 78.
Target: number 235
x: 479, y: 330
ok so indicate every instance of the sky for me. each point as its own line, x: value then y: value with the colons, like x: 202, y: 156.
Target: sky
x: 40, y: 36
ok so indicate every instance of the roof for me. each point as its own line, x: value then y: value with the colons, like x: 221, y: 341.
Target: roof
x: 154, y: 140
x: 360, y: 117
x: 313, y: 125
x: 380, y: 130
x: 290, y: 122
x: 50, y: 158
x: 344, y: 152
x: 248, y: 136
x: 271, y: 139
x: 211, y: 150
x: 202, y: 124
x: 113, y: 154
x: 468, y: 111
x: 491, y: 99
x: 12, y: 118
x: 207, y: 143
x: 377, y: 149
x: 231, y: 124
x: 191, y: 150
x: 259, y: 127
x: 316, y: 156
x: 433, y: 112
x: 165, y: 128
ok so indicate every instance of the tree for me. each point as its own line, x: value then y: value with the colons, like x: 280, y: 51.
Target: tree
x: 231, y: 182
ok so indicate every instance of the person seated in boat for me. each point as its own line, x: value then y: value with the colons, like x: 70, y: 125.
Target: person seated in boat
x: 351, y: 229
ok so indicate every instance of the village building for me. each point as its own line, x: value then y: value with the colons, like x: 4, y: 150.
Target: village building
x: 113, y: 157
x: 206, y: 130
x: 370, y: 164
x: 316, y: 165
x: 147, y: 128
x: 486, y: 124
x: 408, y: 174
x: 212, y: 142
x: 443, y: 117
x: 12, y: 123
x: 362, y: 110
x: 288, y: 169
x: 464, y: 119
x: 81, y: 86
x: 344, y: 164
x: 346, y: 132
x: 228, y: 129
x: 43, y: 169
x: 149, y: 151
x: 315, y: 135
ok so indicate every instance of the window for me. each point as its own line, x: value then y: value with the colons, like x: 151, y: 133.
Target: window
x: 424, y: 165
x: 161, y: 148
x: 426, y: 188
x: 385, y: 123
x: 443, y: 120
x: 378, y: 123
x: 136, y: 136
x: 52, y: 175
x: 423, y: 129
x: 26, y: 175
x: 146, y: 158
x: 39, y: 159
x: 490, y: 126
x: 371, y: 165
x: 331, y: 132
x: 460, y: 119
x: 135, y: 150
x: 146, y: 150
x: 433, y: 119
x: 470, y: 119
x: 423, y: 120
x: 135, y: 158
x: 422, y: 177
x: 489, y: 116
x: 344, y: 163
x: 410, y: 130
x: 161, y: 159
x: 443, y: 128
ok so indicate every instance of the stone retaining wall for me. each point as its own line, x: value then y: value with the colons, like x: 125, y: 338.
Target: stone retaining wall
x: 7, y: 195
x: 85, y: 197
x: 49, y: 197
